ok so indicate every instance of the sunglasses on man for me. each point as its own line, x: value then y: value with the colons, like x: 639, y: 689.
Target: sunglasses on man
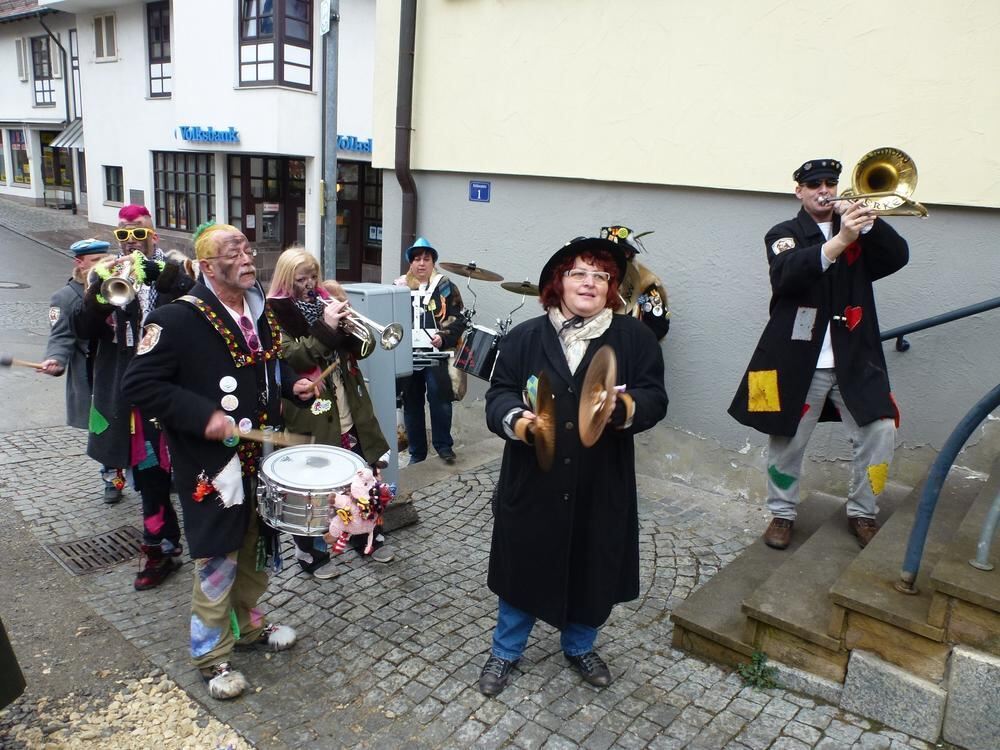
x: 817, y: 184
x: 136, y: 233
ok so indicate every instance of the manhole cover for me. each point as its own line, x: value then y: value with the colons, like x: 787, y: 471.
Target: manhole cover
x: 97, y: 552
x: 13, y: 285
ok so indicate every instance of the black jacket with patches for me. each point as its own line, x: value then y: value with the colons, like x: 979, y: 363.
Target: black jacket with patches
x: 178, y: 378
x: 804, y: 299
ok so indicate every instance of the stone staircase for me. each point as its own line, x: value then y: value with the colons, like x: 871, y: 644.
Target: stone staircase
x: 827, y: 615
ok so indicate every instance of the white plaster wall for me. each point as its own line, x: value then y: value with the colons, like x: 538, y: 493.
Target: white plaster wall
x: 708, y: 248
x: 356, y: 69
x: 724, y: 94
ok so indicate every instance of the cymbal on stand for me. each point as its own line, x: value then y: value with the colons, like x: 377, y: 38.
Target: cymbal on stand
x: 545, y: 423
x: 471, y: 270
x: 521, y: 287
x: 596, y: 403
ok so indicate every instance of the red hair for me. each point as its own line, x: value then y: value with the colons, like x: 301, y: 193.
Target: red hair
x: 133, y: 212
x: 552, y: 292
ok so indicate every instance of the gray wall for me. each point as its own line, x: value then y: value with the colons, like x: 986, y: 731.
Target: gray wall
x: 708, y: 248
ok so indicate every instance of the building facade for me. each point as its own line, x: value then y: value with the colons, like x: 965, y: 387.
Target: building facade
x: 533, y: 123
x: 199, y: 111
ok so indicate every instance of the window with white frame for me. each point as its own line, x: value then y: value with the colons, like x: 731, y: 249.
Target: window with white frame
x: 158, y: 43
x: 114, y: 190
x: 23, y: 63
x: 276, y: 43
x: 105, y: 41
x: 20, y: 164
x: 41, y: 69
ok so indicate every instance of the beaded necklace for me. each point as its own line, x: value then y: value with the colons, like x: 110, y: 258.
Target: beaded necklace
x: 240, y: 357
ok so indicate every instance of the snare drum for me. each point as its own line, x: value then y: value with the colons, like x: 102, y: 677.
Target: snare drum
x: 296, y: 483
x: 477, y: 352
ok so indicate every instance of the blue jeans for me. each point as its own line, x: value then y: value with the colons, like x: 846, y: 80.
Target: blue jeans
x: 413, y: 413
x: 514, y: 626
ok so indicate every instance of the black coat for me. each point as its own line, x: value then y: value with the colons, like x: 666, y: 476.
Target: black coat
x: 566, y: 542
x: 804, y: 300
x: 179, y: 379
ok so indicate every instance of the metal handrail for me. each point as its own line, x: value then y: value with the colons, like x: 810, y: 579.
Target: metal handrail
x: 962, y: 312
x: 932, y: 487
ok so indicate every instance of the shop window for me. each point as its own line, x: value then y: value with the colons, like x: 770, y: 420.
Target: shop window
x: 276, y: 43
x: 114, y: 190
x: 20, y: 164
x: 105, y: 43
x: 158, y: 39
x: 3, y: 162
x: 183, y: 189
x: 57, y: 169
x: 41, y: 68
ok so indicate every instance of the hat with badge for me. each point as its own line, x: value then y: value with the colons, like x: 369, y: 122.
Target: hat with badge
x: 89, y: 247
x: 632, y: 240
x: 817, y: 169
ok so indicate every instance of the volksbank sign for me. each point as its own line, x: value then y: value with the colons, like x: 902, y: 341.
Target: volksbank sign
x: 353, y: 143
x: 207, y: 135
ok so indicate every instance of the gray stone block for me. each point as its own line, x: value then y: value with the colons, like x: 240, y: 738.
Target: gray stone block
x: 971, y: 719
x: 804, y: 682
x: 888, y: 694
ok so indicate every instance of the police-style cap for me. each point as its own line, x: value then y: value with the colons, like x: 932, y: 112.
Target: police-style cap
x: 89, y: 247
x: 420, y: 246
x: 817, y: 169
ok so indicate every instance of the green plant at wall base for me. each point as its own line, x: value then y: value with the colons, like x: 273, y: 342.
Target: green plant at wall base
x: 757, y: 674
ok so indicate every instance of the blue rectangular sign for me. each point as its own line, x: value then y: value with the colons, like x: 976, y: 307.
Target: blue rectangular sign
x: 479, y: 192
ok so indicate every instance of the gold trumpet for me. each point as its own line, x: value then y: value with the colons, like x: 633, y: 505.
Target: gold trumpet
x: 361, y: 328
x: 884, y: 179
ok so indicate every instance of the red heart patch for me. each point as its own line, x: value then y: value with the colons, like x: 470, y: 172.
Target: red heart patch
x: 852, y: 316
x: 852, y: 252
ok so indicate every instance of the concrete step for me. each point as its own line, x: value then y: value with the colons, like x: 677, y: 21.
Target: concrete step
x: 966, y: 600
x: 870, y: 614
x: 711, y: 622
x: 788, y: 615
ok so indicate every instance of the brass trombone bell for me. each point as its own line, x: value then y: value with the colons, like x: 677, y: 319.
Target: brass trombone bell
x: 884, y: 179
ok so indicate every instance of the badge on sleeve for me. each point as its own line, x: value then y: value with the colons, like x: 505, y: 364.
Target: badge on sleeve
x: 54, y: 313
x: 150, y: 338
x: 785, y: 243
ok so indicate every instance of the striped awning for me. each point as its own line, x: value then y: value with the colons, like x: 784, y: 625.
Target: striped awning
x: 71, y: 137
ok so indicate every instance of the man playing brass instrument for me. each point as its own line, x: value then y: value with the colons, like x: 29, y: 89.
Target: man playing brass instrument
x: 820, y: 356
x: 119, y: 434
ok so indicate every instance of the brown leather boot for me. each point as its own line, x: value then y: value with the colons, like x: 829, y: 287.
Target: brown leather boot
x: 779, y: 533
x: 156, y: 569
x: 863, y: 528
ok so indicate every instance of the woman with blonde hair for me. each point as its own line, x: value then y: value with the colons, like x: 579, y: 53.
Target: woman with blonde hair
x: 311, y: 340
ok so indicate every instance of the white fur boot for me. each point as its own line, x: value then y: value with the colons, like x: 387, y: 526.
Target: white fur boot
x: 226, y: 682
x: 280, y: 637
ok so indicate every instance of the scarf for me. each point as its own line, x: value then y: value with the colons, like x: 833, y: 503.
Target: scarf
x: 312, y: 310
x: 575, y: 333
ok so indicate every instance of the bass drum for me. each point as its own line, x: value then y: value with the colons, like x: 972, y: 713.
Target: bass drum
x: 477, y: 352
x: 296, y: 483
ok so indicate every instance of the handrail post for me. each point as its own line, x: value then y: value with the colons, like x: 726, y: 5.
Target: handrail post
x: 932, y: 488
x: 982, y: 559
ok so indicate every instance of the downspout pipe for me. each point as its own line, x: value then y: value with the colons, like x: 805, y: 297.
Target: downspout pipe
x: 404, y: 123
x: 66, y: 73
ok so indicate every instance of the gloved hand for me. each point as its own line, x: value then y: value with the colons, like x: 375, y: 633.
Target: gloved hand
x: 151, y: 271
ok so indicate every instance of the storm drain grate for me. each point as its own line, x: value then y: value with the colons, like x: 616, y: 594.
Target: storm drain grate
x: 97, y: 552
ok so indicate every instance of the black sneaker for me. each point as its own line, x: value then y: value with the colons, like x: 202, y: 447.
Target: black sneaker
x: 448, y: 456
x: 495, y: 675
x: 591, y: 667
x: 112, y: 495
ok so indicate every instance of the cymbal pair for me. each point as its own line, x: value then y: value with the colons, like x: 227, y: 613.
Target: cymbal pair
x: 473, y: 271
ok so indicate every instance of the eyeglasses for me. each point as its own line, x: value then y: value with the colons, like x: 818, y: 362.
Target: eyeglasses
x: 581, y: 274
x: 250, y: 252
x: 136, y: 233
x: 246, y: 325
x: 816, y: 184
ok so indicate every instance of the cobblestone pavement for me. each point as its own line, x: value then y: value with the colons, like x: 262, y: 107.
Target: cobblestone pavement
x: 389, y: 654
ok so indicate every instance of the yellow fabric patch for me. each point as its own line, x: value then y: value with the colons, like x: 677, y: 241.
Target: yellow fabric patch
x: 762, y: 391
x: 877, y: 474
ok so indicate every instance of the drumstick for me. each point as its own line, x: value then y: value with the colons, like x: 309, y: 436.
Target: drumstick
x: 323, y: 374
x: 278, y: 438
x: 6, y: 361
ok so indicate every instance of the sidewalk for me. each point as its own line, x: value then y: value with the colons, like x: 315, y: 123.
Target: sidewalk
x: 55, y: 228
x: 389, y: 654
